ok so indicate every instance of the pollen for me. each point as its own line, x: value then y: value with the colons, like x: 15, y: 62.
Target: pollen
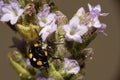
x: 30, y: 55
x: 36, y: 45
x: 46, y: 54
x: 39, y: 63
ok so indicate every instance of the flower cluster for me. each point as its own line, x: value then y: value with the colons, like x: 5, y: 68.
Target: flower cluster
x: 33, y: 18
x: 82, y: 22
x: 75, y: 29
x: 10, y: 12
x: 47, y: 22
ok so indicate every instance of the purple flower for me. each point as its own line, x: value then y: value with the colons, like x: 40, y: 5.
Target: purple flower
x: 28, y: 63
x: 47, y: 22
x: 102, y: 28
x: 81, y: 12
x: 14, y: 0
x: 43, y: 78
x: 96, y: 11
x: 1, y: 6
x: 45, y: 17
x: 74, y: 30
x: 94, y: 23
x: 39, y: 76
x: 47, y: 30
x: 71, y: 66
x: 99, y: 26
x: 11, y: 12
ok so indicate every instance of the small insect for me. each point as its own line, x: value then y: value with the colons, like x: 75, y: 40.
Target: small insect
x: 38, y: 55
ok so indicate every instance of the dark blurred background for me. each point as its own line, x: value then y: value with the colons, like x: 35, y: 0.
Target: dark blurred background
x: 106, y: 60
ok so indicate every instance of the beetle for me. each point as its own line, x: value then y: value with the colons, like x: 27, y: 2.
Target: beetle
x: 38, y: 54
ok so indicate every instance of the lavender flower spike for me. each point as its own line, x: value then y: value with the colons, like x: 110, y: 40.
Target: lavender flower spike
x: 74, y: 30
x: 96, y: 11
x: 71, y: 66
x: 11, y: 12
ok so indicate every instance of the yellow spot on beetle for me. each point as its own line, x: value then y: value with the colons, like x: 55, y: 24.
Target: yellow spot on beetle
x: 46, y: 54
x: 39, y: 63
x: 36, y: 45
x: 30, y: 55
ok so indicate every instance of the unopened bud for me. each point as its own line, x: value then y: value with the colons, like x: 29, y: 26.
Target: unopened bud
x: 62, y: 19
x: 16, y: 56
x: 88, y: 52
x: 29, y: 33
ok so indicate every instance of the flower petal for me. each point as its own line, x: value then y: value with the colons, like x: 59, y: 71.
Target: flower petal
x: 41, y: 78
x: 6, y: 17
x: 14, y: 20
x: 96, y: 23
x: 28, y: 63
x: 6, y: 9
x: 80, y: 12
x: 20, y: 12
x: 51, y: 18
x: 42, y: 24
x: 66, y: 28
x: 97, y: 7
x: 39, y: 15
x: 104, y: 14
x: 102, y: 28
x: 77, y: 38
x: 44, y: 36
x: 82, y: 29
x: 74, y: 20
x: 71, y: 66
x: 90, y: 7
x: 54, y: 28
x: 50, y: 79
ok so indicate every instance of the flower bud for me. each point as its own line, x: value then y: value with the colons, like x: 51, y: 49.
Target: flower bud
x: 29, y: 33
x: 62, y: 20
x: 16, y: 56
x: 88, y: 52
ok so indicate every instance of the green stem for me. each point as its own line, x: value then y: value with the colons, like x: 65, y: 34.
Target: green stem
x: 23, y: 73
x: 22, y: 2
x: 53, y: 73
x: 24, y: 21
